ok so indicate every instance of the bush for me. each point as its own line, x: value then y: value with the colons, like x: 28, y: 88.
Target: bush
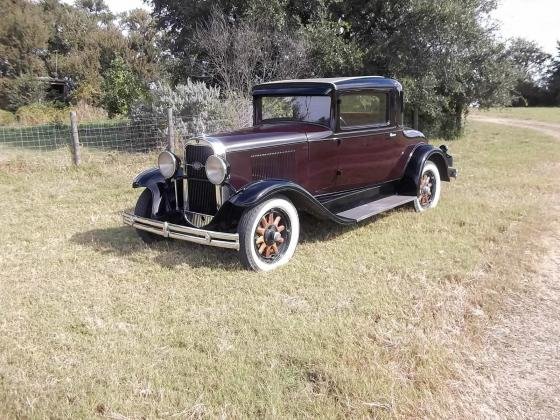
x: 7, y: 118
x: 42, y: 113
x: 121, y: 88
x: 87, y: 91
x: 197, y: 107
x: 51, y: 113
x: 194, y: 103
x: 89, y: 113
x: 21, y: 91
x: 234, y: 111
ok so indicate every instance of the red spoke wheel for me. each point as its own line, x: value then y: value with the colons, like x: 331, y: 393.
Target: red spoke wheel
x: 429, y: 188
x: 268, y: 234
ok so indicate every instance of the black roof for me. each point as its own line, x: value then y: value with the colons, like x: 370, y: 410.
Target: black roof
x: 324, y: 86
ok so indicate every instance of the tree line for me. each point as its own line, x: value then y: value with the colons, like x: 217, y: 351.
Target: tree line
x: 446, y: 53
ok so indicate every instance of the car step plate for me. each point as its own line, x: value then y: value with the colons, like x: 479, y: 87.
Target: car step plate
x: 375, y: 207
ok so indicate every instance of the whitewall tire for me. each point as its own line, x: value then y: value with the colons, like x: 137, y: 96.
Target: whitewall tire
x: 429, y: 189
x: 268, y: 234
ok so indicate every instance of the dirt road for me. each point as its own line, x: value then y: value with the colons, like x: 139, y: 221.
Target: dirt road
x: 517, y: 375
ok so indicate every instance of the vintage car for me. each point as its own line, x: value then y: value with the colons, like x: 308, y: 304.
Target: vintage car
x: 334, y: 148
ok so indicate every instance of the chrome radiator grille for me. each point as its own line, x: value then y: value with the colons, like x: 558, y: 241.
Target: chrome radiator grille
x: 201, y: 192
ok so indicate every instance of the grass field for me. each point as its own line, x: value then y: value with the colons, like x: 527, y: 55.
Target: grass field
x: 365, y: 321
x: 547, y: 115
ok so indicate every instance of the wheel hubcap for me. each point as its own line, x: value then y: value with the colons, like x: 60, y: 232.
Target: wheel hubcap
x: 270, y: 235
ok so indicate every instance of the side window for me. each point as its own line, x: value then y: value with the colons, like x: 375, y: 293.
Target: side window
x: 363, y: 109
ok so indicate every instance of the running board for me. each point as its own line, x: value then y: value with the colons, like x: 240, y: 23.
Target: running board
x: 375, y: 207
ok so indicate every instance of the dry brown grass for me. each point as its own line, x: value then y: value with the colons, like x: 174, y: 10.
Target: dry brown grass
x: 369, y: 321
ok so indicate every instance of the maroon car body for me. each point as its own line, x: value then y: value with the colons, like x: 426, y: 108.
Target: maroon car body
x: 334, y: 148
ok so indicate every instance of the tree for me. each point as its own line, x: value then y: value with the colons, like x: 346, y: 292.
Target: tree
x: 553, y: 79
x: 330, y: 52
x: 445, y: 66
x: 182, y: 19
x: 20, y: 91
x: 23, y: 39
x: 530, y: 61
x: 97, y: 8
x: 144, y: 42
x: 121, y: 88
x: 239, y: 54
x: 82, y: 48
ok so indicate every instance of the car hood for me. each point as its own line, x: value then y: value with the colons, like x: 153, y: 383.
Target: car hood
x: 266, y: 135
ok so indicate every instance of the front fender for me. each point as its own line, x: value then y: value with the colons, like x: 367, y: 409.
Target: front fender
x: 411, y: 180
x: 259, y: 191
x: 153, y: 180
x: 147, y: 177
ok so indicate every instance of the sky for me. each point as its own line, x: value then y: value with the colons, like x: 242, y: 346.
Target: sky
x: 537, y: 20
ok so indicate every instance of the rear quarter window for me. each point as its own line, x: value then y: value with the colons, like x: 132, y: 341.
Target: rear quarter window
x: 363, y: 109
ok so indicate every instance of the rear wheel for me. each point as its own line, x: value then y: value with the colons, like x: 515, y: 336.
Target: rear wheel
x: 268, y: 234
x: 144, y: 209
x: 429, y: 189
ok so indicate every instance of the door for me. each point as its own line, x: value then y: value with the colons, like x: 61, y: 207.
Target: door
x: 368, y: 144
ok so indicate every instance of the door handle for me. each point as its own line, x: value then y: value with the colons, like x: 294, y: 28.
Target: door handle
x: 392, y: 135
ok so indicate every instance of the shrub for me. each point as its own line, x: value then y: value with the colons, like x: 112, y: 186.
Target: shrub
x: 21, y: 91
x: 89, y: 113
x: 234, y: 111
x: 87, y: 91
x: 52, y: 113
x: 193, y: 103
x: 6, y: 117
x: 197, y: 107
x: 121, y: 88
x: 42, y: 113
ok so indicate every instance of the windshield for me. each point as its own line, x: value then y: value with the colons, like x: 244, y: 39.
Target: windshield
x: 315, y: 109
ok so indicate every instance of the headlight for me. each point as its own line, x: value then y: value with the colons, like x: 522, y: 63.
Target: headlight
x: 167, y: 163
x: 216, y: 169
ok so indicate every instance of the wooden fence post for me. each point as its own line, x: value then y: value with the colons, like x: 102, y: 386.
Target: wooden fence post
x: 75, y: 139
x: 170, y: 131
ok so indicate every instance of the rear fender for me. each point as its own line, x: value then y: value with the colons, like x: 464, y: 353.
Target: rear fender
x: 424, y: 152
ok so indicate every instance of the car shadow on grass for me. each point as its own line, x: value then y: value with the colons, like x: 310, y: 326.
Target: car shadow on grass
x: 123, y: 241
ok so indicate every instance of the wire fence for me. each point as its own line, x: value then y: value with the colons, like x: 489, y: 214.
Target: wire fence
x: 139, y: 135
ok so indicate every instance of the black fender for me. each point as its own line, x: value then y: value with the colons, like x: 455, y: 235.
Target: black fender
x: 153, y: 180
x: 259, y: 191
x: 422, y: 153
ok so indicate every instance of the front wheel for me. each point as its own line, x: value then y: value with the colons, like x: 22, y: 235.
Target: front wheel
x: 268, y: 234
x: 429, y: 189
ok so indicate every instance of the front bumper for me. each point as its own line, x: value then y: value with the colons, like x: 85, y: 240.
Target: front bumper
x: 184, y: 233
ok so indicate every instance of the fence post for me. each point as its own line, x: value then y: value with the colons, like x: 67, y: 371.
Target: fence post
x: 170, y: 131
x: 75, y: 139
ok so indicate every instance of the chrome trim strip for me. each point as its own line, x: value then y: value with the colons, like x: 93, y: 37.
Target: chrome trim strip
x: 219, y: 196
x: 184, y: 233
x: 270, y: 142
x: 185, y: 192
x: 176, y: 194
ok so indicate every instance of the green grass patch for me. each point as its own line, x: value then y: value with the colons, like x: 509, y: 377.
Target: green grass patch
x: 543, y: 114
x: 364, y: 321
